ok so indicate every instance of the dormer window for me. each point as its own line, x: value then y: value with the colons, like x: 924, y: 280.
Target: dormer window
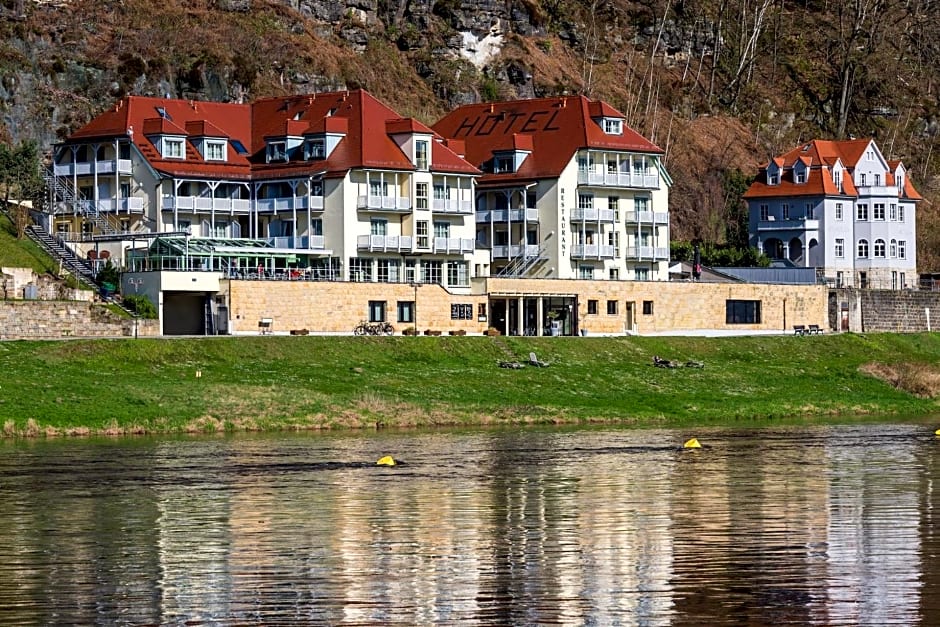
x: 215, y: 150
x: 503, y: 164
x: 900, y: 178
x: 773, y: 178
x: 800, y: 176
x: 316, y: 149
x: 173, y: 148
x: 277, y: 151
x: 613, y: 126
x: 422, y: 154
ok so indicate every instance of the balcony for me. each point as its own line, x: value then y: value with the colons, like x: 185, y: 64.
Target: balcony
x: 593, y: 215
x: 286, y: 203
x: 85, y: 168
x: 125, y: 205
x: 441, y: 205
x: 646, y: 253
x: 453, y: 245
x: 646, y: 217
x: 592, y: 251
x: 508, y: 215
x: 877, y: 191
x: 510, y: 252
x: 636, y: 180
x: 298, y: 242
x: 385, y: 243
x: 400, y: 204
x: 206, y: 203
x: 798, y: 224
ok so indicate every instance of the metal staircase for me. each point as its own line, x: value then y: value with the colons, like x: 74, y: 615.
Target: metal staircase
x: 79, y: 267
x: 62, y: 191
x: 522, y: 263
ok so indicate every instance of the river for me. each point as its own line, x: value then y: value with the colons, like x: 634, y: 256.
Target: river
x: 803, y: 525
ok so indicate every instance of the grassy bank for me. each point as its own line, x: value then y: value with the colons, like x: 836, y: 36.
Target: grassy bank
x: 147, y: 385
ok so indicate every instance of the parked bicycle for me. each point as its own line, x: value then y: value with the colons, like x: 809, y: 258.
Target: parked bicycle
x: 374, y: 328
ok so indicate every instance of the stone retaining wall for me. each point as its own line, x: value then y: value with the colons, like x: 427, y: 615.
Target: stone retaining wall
x: 884, y: 310
x: 27, y: 319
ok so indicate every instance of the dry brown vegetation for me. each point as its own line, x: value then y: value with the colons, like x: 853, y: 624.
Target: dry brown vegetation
x: 921, y: 380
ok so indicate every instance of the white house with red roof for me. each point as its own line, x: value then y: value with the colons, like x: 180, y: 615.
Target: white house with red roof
x: 568, y: 190
x: 841, y: 207
x: 334, y: 185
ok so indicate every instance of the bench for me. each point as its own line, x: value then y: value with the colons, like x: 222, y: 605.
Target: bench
x: 799, y: 329
x: 815, y: 329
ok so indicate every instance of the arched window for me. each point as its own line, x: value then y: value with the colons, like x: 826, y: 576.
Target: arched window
x: 893, y: 249
x: 863, y: 249
x: 879, y: 248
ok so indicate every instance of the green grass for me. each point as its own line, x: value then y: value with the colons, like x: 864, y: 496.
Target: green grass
x: 24, y: 253
x: 151, y: 385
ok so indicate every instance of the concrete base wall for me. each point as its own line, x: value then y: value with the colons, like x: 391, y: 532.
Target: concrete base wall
x: 27, y: 319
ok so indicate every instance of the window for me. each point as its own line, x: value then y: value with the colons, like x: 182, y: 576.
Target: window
x: 764, y: 212
x: 837, y: 178
x: 585, y: 201
x: 861, y: 213
x: 421, y: 195
x: 161, y: 111
x: 316, y: 149
x: 641, y: 203
x: 277, y: 151
x: 173, y: 148
x: 900, y: 178
x: 388, y: 271
x: 481, y: 311
x: 461, y: 311
x: 642, y: 274
x: 502, y: 164
x: 239, y: 147
x: 442, y: 229
x: 379, y: 226
x: 215, y: 151
x: 879, y: 248
x: 773, y: 178
x: 613, y: 240
x: 742, y: 312
x: 441, y: 192
x: 613, y: 126
x: 647, y: 308
x: 432, y: 272
x: 592, y: 308
x: 877, y: 179
x: 786, y: 211
x: 902, y: 249
x: 900, y: 213
x: 378, y: 188
x: 458, y: 273
x: 893, y: 248
x: 862, y: 249
x: 316, y: 226
x: 838, y: 211
x: 376, y: 311
x: 801, y: 177
x: 614, y: 274
x: 421, y: 230
x: 862, y: 179
x: 612, y: 308
x: 586, y: 272
x: 840, y: 248
x: 421, y: 154
x: 878, y: 211
x: 360, y: 269
x: 810, y: 211
x: 613, y: 203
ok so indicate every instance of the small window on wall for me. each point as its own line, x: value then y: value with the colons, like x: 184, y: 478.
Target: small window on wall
x: 742, y: 312
x: 647, y: 308
x: 406, y: 309
x: 611, y: 308
x: 376, y: 311
x: 592, y: 308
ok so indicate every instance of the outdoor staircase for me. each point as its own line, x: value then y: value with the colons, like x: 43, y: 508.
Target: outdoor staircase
x: 522, y: 263
x: 62, y: 191
x: 79, y: 267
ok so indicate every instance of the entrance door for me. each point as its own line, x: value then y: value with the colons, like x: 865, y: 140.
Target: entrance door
x: 629, y: 323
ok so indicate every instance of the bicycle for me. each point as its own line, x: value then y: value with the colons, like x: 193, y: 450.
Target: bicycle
x: 374, y: 328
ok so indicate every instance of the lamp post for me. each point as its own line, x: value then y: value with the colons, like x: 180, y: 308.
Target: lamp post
x: 136, y: 283
x: 414, y: 313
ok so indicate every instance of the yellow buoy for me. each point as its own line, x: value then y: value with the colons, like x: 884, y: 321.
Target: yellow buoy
x: 937, y: 432
x: 693, y: 443
x: 388, y: 460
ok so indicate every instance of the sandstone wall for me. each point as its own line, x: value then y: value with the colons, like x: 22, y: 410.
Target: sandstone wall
x: 30, y: 319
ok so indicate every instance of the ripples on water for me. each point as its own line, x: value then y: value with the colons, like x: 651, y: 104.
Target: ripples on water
x: 819, y: 526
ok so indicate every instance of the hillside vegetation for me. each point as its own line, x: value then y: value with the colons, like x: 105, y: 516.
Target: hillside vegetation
x: 247, y: 383
x: 721, y: 85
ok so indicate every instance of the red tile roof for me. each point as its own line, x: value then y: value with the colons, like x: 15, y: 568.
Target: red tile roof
x: 820, y: 155
x: 558, y: 128
x: 357, y: 115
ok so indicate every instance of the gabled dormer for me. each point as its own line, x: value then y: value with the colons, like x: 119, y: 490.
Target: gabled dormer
x: 801, y: 168
x: 209, y: 140
x: 774, y: 171
x: 414, y: 139
x: 509, y: 157
x: 285, y: 146
x: 607, y: 118
x: 322, y: 137
x: 167, y: 137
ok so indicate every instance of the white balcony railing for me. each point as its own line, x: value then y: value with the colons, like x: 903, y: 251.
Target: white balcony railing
x: 123, y: 204
x: 655, y: 253
x: 451, y: 205
x: 508, y: 215
x: 453, y: 245
x: 298, y: 242
x: 509, y: 252
x: 592, y: 251
x: 646, y: 217
x: 384, y: 203
x: 205, y: 203
x: 619, y: 179
x: 85, y: 168
x: 592, y: 215
x: 800, y: 224
x: 385, y: 243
